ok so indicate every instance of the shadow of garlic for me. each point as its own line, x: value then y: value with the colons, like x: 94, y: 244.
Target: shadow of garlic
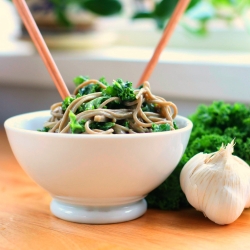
x: 218, y: 184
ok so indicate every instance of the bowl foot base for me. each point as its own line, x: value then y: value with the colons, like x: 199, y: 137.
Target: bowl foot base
x: 98, y: 215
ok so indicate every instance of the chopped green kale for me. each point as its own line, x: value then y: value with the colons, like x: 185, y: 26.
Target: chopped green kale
x: 175, y: 125
x: 95, y: 103
x: 101, y: 125
x: 124, y: 123
x: 80, y: 79
x: 213, y: 125
x: 103, y: 81
x: 148, y: 107
x: 67, y: 101
x: 44, y: 129
x: 160, y: 127
x: 121, y: 89
x: 91, y: 88
x: 75, y: 126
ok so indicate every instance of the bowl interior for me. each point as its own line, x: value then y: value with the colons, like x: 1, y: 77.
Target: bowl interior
x: 35, y: 120
x: 30, y: 121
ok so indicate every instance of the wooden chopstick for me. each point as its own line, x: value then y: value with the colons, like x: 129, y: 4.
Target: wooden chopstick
x: 179, y: 10
x: 41, y: 46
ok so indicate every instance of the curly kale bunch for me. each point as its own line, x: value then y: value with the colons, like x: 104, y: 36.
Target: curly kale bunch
x: 215, y: 124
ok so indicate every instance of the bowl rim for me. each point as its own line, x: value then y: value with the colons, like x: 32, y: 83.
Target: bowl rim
x: 9, y: 126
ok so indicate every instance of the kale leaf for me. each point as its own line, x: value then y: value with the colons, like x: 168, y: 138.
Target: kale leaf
x: 44, y: 129
x: 121, y: 89
x: 80, y: 79
x: 175, y: 125
x: 214, y: 124
x: 75, y: 126
x: 90, y: 88
x: 101, y: 125
x: 67, y: 101
x: 160, y: 127
x: 78, y: 127
x: 103, y: 81
x: 95, y: 103
x: 148, y: 107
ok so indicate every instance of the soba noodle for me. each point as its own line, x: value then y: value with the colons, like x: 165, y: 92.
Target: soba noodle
x: 130, y: 118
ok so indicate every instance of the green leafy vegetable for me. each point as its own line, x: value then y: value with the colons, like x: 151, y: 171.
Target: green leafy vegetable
x: 98, y: 7
x: 215, y: 124
x: 163, y: 11
x: 67, y: 101
x: 201, y: 12
x: 175, y: 125
x: 104, y: 7
x: 44, y: 129
x: 148, y: 107
x: 59, y: 8
x: 103, y: 81
x: 80, y: 79
x: 160, y: 127
x: 94, y: 104
x: 89, y: 89
x: 102, y: 125
x: 126, y: 124
x: 75, y: 126
x: 121, y: 89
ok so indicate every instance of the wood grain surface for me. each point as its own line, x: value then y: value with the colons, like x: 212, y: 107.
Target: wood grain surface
x: 27, y: 223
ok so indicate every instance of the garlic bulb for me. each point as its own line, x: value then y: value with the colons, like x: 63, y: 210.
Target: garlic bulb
x: 217, y: 184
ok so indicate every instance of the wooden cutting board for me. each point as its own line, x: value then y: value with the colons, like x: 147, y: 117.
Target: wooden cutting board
x: 27, y: 223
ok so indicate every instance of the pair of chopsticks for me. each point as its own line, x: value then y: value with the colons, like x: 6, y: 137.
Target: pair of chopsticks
x: 42, y: 48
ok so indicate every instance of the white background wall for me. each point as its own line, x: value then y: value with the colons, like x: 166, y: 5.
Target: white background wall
x: 192, y: 70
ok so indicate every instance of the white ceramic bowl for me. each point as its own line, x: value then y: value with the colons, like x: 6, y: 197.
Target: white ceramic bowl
x: 96, y: 178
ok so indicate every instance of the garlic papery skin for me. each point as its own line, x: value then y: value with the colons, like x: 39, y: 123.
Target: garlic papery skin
x: 217, y: 184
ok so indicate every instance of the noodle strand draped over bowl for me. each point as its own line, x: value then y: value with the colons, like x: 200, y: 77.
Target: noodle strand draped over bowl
x: 111, y: 109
